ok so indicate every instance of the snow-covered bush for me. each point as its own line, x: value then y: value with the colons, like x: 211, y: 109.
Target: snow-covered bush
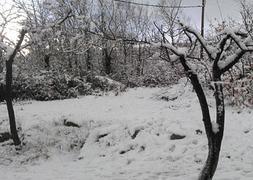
x: 237, y: 82
x: 48, y: 85
x: 156, y: 73
x: 53, y: 85
x: 239, y: 88
x: 103, y: 83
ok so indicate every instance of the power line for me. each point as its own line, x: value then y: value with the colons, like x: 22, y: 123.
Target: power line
x: 156, y: 5
x: 218, y: 3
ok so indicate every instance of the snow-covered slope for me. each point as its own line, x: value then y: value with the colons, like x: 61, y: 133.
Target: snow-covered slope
x: 124, y: 137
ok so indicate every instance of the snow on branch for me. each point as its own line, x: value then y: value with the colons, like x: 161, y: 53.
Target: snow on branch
x: 59, y: 22
x: 178, y: 54
x: 176, y: 51
x: 230, y: 60
x: 211, y: 51
x: 236, y: 39
x: 9, y: 50
x: 222, y: 43
x: 50, y: 26
x: 233, y: 59
x: 215, y: 53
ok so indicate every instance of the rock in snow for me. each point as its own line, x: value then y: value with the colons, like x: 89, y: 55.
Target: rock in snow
x: 176, y: 136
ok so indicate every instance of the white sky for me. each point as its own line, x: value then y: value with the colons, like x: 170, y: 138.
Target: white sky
x: 11, y: 31
x: 228, y: 9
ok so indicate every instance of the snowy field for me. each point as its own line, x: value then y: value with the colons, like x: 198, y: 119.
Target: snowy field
x: 124, y: 137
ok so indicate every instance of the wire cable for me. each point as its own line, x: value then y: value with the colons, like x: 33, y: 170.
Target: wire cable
x: 156, y: 5
x: 218, y: 3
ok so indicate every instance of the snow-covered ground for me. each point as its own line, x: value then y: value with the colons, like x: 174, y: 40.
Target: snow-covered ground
x: 124, y: 137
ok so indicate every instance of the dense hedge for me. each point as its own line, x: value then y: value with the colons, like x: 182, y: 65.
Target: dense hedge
x: 53, y: 85
x: 239, y: 92
x: 49, y: 85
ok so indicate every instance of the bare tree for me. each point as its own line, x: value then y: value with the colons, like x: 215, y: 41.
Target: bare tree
x: 170, y: 17
x: 7, y: 16
x: 220, y: 65
x: 10, y: 56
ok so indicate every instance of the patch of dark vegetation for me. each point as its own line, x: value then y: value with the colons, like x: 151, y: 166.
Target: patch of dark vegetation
x: 136, y: 132
x: 142, y: 148
x: 198, y: 131
x: 101, y: 136
x: 127, y: 150
x: 166, y: 98
x: 5, y: 136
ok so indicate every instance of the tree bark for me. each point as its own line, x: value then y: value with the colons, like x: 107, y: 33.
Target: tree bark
x: 211, y: 163
x: 106, y: 61
x: 1, y: 61
x: 214, y: 139
x: 88, y: 60
x: 47, y: 61
x: 8, y: 98
x: 214, y: 144
x: 8, y: 90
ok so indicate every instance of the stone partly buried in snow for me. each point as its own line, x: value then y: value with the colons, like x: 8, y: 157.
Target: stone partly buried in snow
x: 176, y: 136
x: 167, y: 98
x: 70, y: 124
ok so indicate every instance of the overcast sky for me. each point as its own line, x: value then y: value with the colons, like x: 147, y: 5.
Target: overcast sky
x: 228, y: 9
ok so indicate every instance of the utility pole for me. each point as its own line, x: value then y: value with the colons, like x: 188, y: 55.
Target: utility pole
x: 202, y: 26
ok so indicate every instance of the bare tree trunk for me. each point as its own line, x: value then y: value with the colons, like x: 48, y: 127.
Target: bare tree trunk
x: 47, y: 61
x: 2, y: 92
x: 69, y: 64
x: 8, y: 98
x: 106, y: 61
x: 142, y: 66
x: 1, y: 61
x: 214, y: 138
x: 139, y: 61
x: 125, y: 53
x: 1, y: 56
x: 8, y: 90
x: 211, y: 163
x: 88, y: 60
